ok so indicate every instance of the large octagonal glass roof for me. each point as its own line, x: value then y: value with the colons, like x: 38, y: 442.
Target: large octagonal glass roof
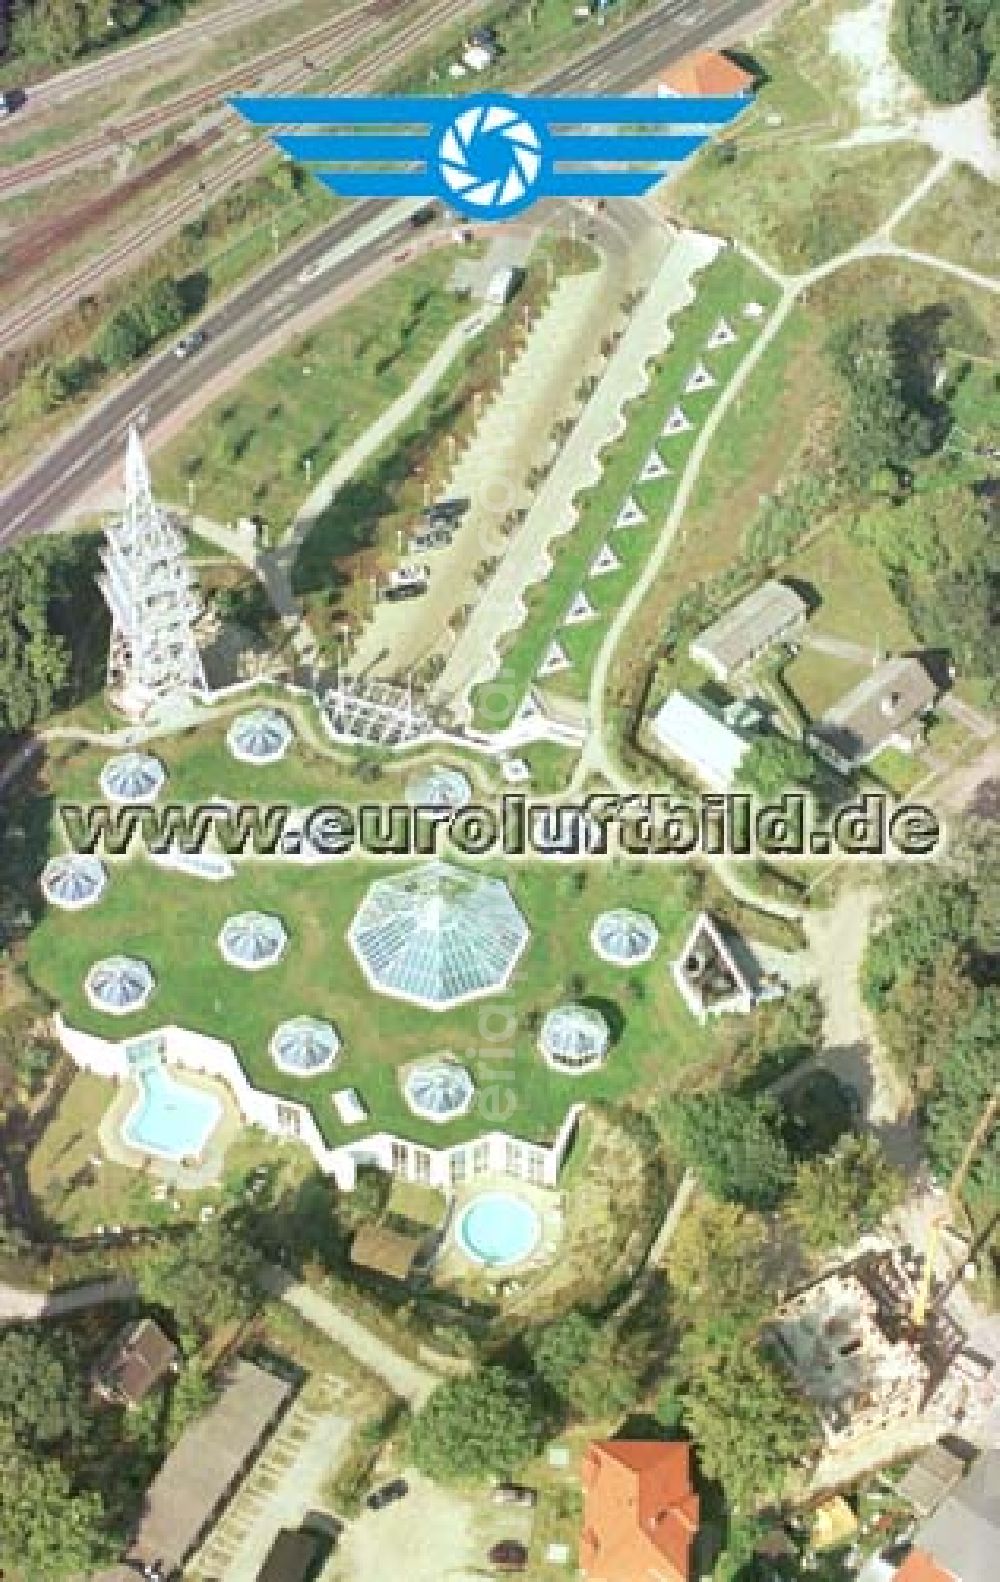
x: 132, y: 777
x: 73, y: 881
x: 574, y: 1037
x: 252, y: 940
x: 439, y: 787
x: 304, y: 1046
x: 439, y: 1090
x: 119, y: 984
x: 261, y: 736
x: 438, y: 935
x: 624, y: 938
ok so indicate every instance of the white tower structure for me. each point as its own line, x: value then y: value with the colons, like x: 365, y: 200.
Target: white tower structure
x: 151, y: 592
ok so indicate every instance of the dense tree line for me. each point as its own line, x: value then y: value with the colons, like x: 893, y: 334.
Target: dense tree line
x: 891, y: 418
x: 46, y: 627
x: 57, y: 31
x: 930, y: 975
x: 949, y: 47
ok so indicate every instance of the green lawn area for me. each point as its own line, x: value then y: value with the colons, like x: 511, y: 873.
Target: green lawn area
x: 248, y: 451
x: 959, y: 219
x: 722, y: 290
x: 172, y: 922
x: 797, y: 201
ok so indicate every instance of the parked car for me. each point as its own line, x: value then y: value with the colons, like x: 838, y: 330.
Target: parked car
x: 190, y: 343
x: 388, y: 1494
x: 508, y: 1555
x: 8, y: 103
x: 514, y: 1494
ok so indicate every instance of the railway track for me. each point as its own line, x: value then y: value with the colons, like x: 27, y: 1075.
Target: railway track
x: 31, y: 315
x: 321, y: 45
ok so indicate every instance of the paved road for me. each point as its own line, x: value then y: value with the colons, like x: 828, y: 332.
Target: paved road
x: 40, y: 498
x: 20, y: 1307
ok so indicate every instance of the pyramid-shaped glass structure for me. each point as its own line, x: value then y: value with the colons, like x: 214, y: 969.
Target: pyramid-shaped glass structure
x: 261, y: 736
x: 253, y: 940
x: 439, y: 1090
x: 437, y: 935
x: 574, y: 1038
x: 304, y: 1046
x: 118, y: 985
x: 132, y: 777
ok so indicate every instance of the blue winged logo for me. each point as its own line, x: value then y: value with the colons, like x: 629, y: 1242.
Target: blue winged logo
x: 491, y: 155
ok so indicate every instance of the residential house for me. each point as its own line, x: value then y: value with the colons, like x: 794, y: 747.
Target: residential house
x: 690, y: 730
x: 640, y: 1512
x: 706, y: 73
x: 139, y: 1360
x: 767, y: 616
x: 961, y: 1541
x: 886, y: 709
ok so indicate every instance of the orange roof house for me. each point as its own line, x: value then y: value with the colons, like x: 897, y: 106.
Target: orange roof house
x: 920, y: 1567
x: 640, y: 1512
x: 706, y: 73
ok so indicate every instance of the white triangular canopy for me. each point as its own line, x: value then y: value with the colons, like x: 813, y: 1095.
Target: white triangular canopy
x: 654, y: 467
x: 677, y: 423
x: 631, y: 514
x: 530, y: 708
x: 556, y: 659
x: 722, y: 335
x: 604, y: 561
x: 699, y: 379
x: 580, y: 610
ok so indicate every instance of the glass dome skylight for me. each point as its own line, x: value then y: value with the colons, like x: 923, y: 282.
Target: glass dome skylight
x: 253, y: 940
x: 624, y: 938
x: 133, y: 777
x: 437, y: 935
x: 73, y: 881
x: 303, y: 1047
x: 118, y: 985
x: 261, y: 736
x: 440, y: 788
x: 439, y: 1090
x: 574, y: 1038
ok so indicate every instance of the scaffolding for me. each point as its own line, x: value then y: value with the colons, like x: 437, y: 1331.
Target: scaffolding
x: 151, y: 591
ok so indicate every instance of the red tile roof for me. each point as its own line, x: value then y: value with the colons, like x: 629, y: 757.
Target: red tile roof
x: 920, y: 1567
x: 707, y: 72
x: 640, y: 1512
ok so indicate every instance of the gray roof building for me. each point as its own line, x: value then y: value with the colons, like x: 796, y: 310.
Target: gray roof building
x: 746, y: 631
x: 883, y: 710
x: 963, y: 1535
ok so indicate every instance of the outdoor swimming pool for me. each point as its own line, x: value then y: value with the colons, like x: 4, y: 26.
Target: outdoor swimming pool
x: 498, y: 1229
x: 170, y: 1119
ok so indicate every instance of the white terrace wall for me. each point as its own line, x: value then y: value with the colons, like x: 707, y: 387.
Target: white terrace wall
x: 494, y: 1153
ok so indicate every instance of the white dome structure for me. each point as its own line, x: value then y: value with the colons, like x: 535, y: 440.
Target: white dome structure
x: 253, y: 940
x: 439, y: 789
x: 74, y: 881
x: 439, y: 1090
x: 119, y: 985
x: 261, y: 736
x: 624, y: 938
x: 574, y: 1038
x: 304, y: 1046
x: 438, y: 936
x: 133, y: 777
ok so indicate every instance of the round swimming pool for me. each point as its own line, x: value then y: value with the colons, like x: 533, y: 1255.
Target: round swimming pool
x: 498, y: 1229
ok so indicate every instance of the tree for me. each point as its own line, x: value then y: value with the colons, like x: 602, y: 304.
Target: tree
x: 123, y: 339
x: 41, y: 1388
x: 848, y: 1191
x: 42, y: 629
x: 206, y: 1278
x: 929, y: 914
x: 583, y: 1365
x: 749, y: 1423
x: 883, y: 425
x: 939, y: 43
x: 480, y: 1427
x: 47, y: 1528
x: 965, y: 1083
x: 716, y: 1257
x: 735, y: 1144
x: 927, y: 1004
x: 774, y: 764
x: 161, y: 309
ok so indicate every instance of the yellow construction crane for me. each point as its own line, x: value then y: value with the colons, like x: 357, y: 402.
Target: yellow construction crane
x: 942, y: 1219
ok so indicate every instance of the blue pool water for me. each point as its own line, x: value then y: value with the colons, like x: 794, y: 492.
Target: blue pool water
x: 498, y: 1229
x: 170, y: 1119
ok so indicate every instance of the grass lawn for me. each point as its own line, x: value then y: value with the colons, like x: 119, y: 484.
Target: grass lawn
x: 173, y: 921
x: 959, y: 219
x: 248, y: 452
x: 797, y: 202
x: 722, y: 290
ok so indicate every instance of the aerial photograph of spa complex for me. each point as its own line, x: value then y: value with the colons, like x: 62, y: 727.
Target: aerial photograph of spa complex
x: 500, y: 790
